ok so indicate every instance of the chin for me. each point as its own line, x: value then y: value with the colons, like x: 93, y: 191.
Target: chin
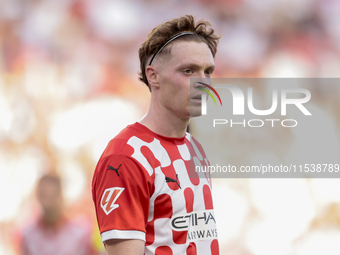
x: 195, y: 109
x: 195, y: 113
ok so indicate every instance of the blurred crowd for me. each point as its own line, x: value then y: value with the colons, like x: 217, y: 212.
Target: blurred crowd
x: 69, y: 83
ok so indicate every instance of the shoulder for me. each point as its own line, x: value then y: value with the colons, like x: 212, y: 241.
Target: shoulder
x: 76, y: 229
x: 126, y: 142
x: 196, y: 148
x: 30, y: 229
x: 194, y: 142
x: 121, y: 156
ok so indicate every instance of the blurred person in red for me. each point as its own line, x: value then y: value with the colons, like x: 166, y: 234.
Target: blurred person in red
x: 147, y: 200
x: 52, y: 233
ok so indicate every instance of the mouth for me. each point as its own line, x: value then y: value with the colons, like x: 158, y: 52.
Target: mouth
x: 196, y: 100
x: 197, y: 97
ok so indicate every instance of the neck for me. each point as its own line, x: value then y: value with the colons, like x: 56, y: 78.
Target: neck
x: 51, y: 220
x: 164, y: 122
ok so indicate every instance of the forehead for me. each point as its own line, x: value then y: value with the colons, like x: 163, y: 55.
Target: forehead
x: 194, y: 52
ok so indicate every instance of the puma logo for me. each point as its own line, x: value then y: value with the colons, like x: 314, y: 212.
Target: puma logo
x: 168, y: 179
x: 114, y: 169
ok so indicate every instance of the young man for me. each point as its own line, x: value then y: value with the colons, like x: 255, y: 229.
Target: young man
x: 52, y: 232
x: 147, y: 200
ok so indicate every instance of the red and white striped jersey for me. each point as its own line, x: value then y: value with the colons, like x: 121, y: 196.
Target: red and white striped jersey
x: 145, y: 187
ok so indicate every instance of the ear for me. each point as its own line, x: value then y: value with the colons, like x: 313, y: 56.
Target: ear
x: 152, y: 76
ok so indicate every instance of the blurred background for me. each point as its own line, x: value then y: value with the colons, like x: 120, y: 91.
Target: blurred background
x: 69, y: 83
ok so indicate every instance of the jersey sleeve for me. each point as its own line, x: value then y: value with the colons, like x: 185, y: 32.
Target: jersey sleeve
x: 121, y: 191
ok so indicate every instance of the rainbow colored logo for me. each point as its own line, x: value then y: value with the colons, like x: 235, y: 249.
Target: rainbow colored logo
x: 208, y: 92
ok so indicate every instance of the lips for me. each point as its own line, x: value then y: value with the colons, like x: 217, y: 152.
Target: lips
x: 199, y: 96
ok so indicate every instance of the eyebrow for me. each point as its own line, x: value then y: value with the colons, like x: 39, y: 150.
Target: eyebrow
x: 195, y: 66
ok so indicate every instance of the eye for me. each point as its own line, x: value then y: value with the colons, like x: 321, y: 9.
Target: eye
x: 187, y: 71
x: 209, y: 72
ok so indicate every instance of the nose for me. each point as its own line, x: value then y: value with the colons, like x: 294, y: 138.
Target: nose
x: 200, y: 84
